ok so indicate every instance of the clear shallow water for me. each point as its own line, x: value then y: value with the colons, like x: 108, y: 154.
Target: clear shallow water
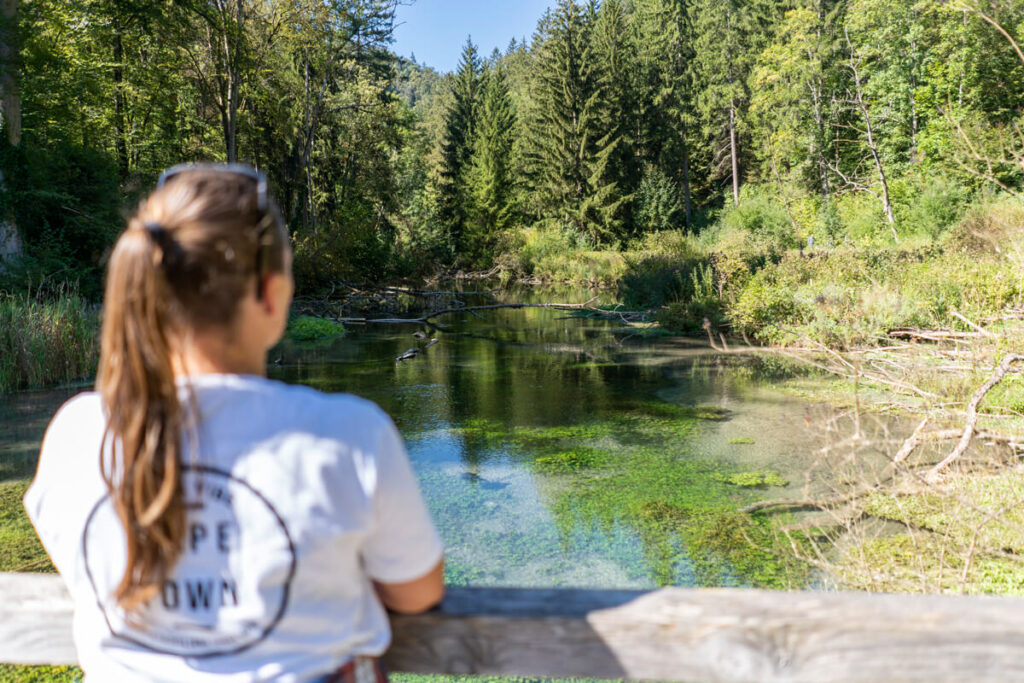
x: 572, y: 452
x: 557, y: 451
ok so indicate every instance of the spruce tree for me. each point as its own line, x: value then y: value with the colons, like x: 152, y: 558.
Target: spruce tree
x: 568, y: 146
x: 614, y: 50
x: 665, y: 91
x: 730, y: 36
x: 454, y: 195
x: 490, y: 178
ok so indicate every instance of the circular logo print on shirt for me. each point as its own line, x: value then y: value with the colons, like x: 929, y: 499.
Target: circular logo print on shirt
x: 230, y: 586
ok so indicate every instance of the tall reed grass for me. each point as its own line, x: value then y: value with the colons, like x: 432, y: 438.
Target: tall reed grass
x: 44, y: 343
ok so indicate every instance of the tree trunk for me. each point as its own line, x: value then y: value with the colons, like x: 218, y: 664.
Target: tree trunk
x: 119, y: 104
x: 817, y: 95
x: 872, y: 146
x: 10, y: 115
x: 10, y: 96
x: 686, y: 179
x: 735, y: 155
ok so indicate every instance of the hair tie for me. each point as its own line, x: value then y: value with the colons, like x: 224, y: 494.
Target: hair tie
x: 156, y: 231
x: 170, y: 253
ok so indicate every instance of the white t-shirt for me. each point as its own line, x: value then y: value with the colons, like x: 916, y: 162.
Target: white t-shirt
x: 296, y: 501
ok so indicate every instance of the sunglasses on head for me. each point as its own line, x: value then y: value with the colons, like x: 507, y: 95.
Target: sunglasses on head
x: 262, y: 203
x: 244, y: 170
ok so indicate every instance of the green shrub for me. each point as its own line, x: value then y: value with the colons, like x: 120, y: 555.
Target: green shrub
x: 700, y: 304
x: 761, y: 216
x: 930, y: 206
x: 653, y: 281
x: 555, y: 255
x: 307, y: 328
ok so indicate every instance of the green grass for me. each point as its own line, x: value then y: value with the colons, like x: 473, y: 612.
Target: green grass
x: 20, y: 549
x: 67, y: 674
x: 39, y: 674
x: 46, y: 343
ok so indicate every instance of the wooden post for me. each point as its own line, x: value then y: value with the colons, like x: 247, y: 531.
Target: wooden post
x: 671, y: 635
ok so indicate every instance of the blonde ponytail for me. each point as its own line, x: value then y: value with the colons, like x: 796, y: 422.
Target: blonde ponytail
x: 186, y: 260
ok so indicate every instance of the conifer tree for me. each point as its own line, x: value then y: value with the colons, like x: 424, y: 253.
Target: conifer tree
x: 730, y: 35
x: 455, y: 197
x: 616, y: 61
x: 665, y: 92
x: 568, y: 146
x: 491, y: 175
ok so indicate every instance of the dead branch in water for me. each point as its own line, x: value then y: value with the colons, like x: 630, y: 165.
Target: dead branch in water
x: 798, y: 504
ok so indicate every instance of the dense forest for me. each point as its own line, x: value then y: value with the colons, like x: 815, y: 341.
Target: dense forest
x: 768, y: 123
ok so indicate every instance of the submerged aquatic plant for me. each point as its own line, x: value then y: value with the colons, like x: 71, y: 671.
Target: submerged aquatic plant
x: 631, y: 467
x: 753, y: 479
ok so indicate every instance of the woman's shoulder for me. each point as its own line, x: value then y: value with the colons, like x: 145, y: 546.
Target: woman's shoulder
x: 297, y: 406
x: 79, y: 413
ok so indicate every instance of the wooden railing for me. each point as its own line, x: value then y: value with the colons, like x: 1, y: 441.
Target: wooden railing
x: 671, y: 634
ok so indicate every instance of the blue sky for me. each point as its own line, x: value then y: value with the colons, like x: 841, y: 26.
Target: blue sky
x: 436, y: 30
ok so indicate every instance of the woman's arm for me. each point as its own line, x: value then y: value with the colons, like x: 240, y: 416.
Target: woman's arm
x: 416, y: 596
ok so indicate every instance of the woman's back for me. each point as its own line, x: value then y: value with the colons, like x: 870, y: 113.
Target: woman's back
x: 284, y: 534
x: 212, y: 524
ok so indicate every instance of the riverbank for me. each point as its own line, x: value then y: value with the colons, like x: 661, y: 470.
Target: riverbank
x: 941, y: 511
x: 753, y: 276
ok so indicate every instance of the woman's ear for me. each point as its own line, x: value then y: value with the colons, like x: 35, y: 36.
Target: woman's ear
x: 277, y: 293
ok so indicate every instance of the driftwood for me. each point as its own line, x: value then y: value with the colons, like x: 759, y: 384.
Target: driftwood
x: 806, y: 503
x: 936, y: 335
x: 672, y: 634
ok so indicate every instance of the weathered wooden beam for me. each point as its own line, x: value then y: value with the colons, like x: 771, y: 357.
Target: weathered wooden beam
x: 671, y: 634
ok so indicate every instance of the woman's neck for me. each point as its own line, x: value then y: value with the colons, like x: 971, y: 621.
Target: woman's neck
x: 218, y: 354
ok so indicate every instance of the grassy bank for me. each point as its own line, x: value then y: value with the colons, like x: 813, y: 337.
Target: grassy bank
x: 44, y: 343
x: 830, y: 274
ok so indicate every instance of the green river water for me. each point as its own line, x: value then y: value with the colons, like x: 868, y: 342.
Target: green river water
x: 552, y: 450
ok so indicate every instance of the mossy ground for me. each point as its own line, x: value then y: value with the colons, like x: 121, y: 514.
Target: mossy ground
x: 305, y: 328
x: 964, y: 537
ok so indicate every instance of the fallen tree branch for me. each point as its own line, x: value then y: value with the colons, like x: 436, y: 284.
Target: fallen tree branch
x: 973, y: 326
x: 796, y: 504
x: 935, y: 335
x: 972, y: 414
x: 493, y: 307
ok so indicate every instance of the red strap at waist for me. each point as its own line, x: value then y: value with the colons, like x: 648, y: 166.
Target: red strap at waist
x: 359, y: 670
